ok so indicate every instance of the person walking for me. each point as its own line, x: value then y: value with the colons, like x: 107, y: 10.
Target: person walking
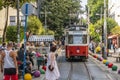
x: 92, y: 46
x: 52, y: 72
x: 9, y: 63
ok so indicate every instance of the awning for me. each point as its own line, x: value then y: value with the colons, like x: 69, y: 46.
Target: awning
x: 112, y: 36
x: 41, y: 38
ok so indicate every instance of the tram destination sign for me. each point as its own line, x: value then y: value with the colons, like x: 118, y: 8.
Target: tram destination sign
x: 77, y: 32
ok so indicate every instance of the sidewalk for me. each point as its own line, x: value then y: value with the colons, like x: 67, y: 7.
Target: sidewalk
x: 109, y: 59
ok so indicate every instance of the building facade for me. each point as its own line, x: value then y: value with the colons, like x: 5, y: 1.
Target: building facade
x: 12, y: 18
x: 114, y: 10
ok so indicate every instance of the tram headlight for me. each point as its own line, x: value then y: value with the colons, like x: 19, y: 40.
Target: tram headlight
x: 78, y: 51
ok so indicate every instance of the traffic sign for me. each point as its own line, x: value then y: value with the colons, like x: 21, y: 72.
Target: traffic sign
x: 29, y: 7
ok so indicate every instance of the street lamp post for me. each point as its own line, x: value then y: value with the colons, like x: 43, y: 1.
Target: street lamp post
x: 105, y: 32
x: 101, y: 15
x: 45, y: 13
x: 45, y: 18
x: 39, y: 3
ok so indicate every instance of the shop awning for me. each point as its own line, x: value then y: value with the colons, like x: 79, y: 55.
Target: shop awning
x: 35, y: 38
x: 112, y: 36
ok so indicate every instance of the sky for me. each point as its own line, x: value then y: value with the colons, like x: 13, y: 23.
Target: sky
x: 84, y: 2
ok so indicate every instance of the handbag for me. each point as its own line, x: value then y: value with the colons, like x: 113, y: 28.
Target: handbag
x: 51, y: 68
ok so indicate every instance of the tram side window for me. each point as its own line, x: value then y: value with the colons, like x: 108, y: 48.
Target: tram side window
x: 70, y: 39
x: 84, y: 39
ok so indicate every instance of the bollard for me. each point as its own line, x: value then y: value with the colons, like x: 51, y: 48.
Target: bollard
x: 27, y: 76
x: 118, y: 71
x: 110, y: 65
x: 114, y: 68
x: 107, y: 63
x: 104, y: 61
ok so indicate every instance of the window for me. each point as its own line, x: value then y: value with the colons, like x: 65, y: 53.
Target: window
x: 22, y: 20
x: 70, y: 39
x: 12, y: 21
x: 77, y: 39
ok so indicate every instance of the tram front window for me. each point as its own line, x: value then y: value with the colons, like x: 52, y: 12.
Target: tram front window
x: 77, y: 39
x: 70, y: 39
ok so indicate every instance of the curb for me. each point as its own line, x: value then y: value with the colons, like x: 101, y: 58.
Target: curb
x: 103, y: 66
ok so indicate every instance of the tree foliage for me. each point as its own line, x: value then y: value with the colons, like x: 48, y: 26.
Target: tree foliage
x: 1, y: 1
x: 58, y: 13
x: 111, y: 23
x: 11, y: 34
x: 116, y: 30
x: 6, y: 4
x: 98, y: 27
x: 47, y: 32
x: 96, y: 10
x: 13, y: 3
x: 93, y: 33
x: 34, y: 25
x: 96, y: 7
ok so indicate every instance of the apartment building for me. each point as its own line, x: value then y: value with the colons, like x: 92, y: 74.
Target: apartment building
x: 12, y: 18
x: 114, y: 10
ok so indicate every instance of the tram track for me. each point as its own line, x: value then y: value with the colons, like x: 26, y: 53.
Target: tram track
x: 71, y: 71
x: 90, y: 76
x: 73, y: 68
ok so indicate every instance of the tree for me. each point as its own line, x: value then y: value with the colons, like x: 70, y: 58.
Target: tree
x: 34, y: 25
x: 98, y: 26
x: 111, y: 23
x: 11, y: 34
x: 1, y: 1
x: 47, y: 32
x: 96, y: 7
x: 116, y: 30
x: 93, y: 34
x: 6, y: 4
x: 60, y: 14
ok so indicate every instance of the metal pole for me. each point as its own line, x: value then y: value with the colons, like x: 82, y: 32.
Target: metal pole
x: 88, y: 22
x: 69, y: 17
x: 39, y: 4
x: 45, y: 18
x: 18, y: 25
x: 26, y: 15
x: 105, y: 32
x: 38, y: 8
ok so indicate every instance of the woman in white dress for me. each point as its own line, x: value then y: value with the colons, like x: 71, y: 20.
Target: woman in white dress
x: 52, y: 75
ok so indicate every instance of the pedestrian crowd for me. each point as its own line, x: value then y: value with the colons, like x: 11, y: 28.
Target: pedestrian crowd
x: 12, y: 59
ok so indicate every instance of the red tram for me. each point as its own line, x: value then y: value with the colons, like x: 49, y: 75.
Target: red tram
x: 76, y: 42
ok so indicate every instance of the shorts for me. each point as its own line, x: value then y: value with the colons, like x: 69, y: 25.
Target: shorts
x: 10, y: 74
x: 10, y: 77
x: 9, y: 71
